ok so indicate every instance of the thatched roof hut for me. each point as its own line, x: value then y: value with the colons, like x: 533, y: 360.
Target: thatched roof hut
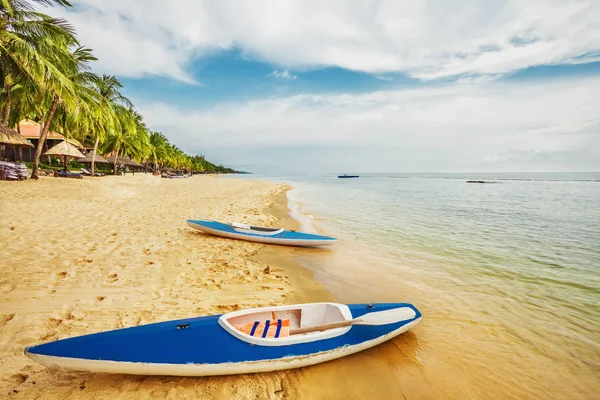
x: 12, y: 138
x: 64, y: 149
x: 132, y: 162
x: 88, y: 159
x: 120, y: 160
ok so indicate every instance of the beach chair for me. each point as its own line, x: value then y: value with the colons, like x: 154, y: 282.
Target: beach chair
x: 62, y: 174
x: 86, y: 172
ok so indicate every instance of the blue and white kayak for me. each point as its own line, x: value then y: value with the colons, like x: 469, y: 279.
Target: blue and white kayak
x: 246, y: 341
x: 260, y: 233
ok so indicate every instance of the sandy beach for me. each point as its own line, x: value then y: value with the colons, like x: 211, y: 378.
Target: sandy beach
x: 82, y: 256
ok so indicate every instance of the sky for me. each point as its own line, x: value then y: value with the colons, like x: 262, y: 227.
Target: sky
x: 359, y: 85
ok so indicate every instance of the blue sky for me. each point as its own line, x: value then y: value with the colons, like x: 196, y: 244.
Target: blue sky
x: 367, y: 86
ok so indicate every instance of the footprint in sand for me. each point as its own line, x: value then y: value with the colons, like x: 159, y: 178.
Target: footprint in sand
x: 62, y: 274
x: 112, y: 278
x: 6, y: 288
x: 5, y: 319
x: 19, y: 378
x: 100, y: 298
x: 53, y: 323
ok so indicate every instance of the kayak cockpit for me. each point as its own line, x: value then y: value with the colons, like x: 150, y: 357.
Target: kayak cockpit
x: 273, y: 326
x: 259, y: 230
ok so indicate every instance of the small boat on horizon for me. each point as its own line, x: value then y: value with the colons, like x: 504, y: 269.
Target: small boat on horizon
x: 260, y: 234
x: 348, y: 176
x: 246, y: 341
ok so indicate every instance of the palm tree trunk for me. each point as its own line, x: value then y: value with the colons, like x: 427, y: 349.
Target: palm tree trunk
x: 6, y: 111
x: 115, y: 165
x: 94, y: 155
x: 43, y: 136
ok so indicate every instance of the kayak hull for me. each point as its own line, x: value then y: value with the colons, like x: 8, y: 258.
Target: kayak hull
x: 285, y: 237
x: 248, y: 367
x: 205, y: 348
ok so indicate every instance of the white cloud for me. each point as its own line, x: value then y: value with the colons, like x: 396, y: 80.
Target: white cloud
x: 427, y: 39
x: 472, y: 126
x: 283, y: 74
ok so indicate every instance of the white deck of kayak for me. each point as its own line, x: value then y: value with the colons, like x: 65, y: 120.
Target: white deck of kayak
x: 263, y: 230
x: 300, y: 316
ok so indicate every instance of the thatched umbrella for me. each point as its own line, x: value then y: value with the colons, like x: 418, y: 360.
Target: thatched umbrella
x: 88, y: 159
x: 120, y: 160
x: 131, y: 162
x: 64, y: 149
x: 12, y: 137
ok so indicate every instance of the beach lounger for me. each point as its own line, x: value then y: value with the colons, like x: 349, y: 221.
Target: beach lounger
x: 87, y: 172
x: 62, y: 174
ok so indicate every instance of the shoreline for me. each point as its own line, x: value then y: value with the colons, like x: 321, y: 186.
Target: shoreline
x: 307, y: 289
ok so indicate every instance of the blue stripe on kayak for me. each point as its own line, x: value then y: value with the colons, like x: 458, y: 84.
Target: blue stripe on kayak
x: 254, y: 328
x: 264, y: 335
x: 278, y: 328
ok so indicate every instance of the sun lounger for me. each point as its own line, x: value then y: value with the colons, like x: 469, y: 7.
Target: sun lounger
x: 87, y: 172
x: 62, y: 174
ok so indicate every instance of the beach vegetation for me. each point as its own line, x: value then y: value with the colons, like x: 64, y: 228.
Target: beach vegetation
x: 46, y: 75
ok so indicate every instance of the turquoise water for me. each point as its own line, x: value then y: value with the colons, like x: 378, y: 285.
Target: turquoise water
x: 518, y: 257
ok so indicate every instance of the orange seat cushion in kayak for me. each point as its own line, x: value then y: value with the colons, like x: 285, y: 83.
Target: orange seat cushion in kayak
x: 257, y: 329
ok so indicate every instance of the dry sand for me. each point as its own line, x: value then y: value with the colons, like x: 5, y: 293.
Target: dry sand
x: 82, y: 256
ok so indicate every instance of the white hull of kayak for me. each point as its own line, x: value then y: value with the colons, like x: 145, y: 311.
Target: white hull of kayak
x: 262, y: 238
x: 117, y: 367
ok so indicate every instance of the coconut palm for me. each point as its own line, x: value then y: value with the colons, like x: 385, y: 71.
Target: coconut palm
x: 27, y: 39
x: 45, y: 76
x: 157, y: 149
x: 34, y: 52
x: 109, y: 89
x: 73, y: 64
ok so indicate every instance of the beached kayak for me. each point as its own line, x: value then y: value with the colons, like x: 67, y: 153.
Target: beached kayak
x: 260, y: 233
x: 246, y: 341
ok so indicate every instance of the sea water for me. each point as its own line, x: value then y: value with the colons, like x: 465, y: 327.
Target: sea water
x: 506, y: 273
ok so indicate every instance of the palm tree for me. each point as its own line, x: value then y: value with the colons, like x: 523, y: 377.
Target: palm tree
x: 27, y: 38
x: 45, y: 76
x: 158, y: 149
x: 73, y: 64
x: 109, y: 89
x: 34, y: 52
